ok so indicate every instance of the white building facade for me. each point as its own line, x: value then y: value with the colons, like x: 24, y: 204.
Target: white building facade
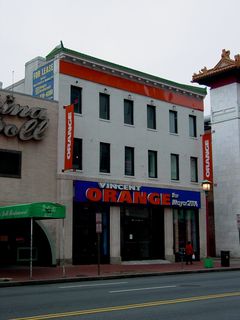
x: 137, y: 158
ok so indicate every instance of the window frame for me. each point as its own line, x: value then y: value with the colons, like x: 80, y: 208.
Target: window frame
x: 103, y: 168
x: 173, y: 121
x: 78, y: 104
x: 130, y: 105
x: 174, y: 166
x: 192, y: 126
x: 77, y: 165
x: 104, y: 110
x: 151, y: 113
x: 18, y: 173
x: 194, y: 169
x: 130, y: 172
x: 150, y: 169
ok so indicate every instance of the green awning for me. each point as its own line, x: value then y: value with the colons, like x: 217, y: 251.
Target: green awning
x: 37, y: 210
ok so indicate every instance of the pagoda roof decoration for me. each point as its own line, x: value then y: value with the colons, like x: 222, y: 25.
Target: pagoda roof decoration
x: 226, y: 66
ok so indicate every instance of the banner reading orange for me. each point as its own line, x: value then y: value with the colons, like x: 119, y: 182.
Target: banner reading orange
x: 207, y: 157
x: 69, y: 135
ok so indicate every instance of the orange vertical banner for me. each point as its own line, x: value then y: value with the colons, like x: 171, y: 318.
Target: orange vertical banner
x: 69, y: 135
x: 207, y: 157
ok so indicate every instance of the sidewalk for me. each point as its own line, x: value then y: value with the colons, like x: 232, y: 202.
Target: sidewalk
x: 13, y: 276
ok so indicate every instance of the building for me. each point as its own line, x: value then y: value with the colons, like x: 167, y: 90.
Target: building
x: 28, y: 161
x: 137, y: 158
x: 223, y: 80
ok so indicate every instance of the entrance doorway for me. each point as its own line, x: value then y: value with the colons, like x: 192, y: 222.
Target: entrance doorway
x: 142, y: 233
x: 85, y: 243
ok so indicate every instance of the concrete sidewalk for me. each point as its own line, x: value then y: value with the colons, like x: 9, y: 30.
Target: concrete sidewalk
x: 13, y: 276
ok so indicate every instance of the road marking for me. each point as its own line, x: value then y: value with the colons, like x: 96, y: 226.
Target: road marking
x: 140, y: 289
x: 93, y: 285
x: 130, y: 306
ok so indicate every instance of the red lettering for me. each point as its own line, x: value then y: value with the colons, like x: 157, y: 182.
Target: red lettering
x: 140, y: 197
x: 109, y: 195
x: 166, y: 199
x: 125, y: 196
x: 154, y: 198
x: 93, y: 194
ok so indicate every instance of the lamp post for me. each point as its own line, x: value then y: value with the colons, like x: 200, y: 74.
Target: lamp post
x: 206, y: 186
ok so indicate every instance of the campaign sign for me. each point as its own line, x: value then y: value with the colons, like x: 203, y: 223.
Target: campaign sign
x: 105, y: 192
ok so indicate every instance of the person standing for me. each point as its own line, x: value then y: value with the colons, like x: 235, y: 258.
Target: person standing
x: 189, y: 252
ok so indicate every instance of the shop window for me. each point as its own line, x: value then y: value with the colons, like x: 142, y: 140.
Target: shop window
x: 129, y: 161
x: 77, y: 154
x: 128, y: 112
x: 173, y: 122
x: 152, y: 164
x: 76, y: 98
x: 10, y: 163
x: 151, y: 117
x: 104, y: 157
x: 194, y: 169
x: 192, y: 126
x: 174, y: 166
x: 104, y: 106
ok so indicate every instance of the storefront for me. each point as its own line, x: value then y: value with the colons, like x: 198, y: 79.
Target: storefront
x: 142, y: 213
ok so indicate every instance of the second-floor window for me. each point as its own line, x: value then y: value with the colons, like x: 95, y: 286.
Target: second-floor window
x: 192, y: 126
x: 128, y: 112
x: 174, y: 166
x: 129, y: 161
x: 104, y: 165
x: 173, y: 122
x: 77, y: 154
x: 194, y: 169
x: 152, y: 164
x: 76, y: 98
x: 104, y: 106
x: 151, y: 117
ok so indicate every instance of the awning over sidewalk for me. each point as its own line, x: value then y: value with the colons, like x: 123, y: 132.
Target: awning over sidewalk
x: 37, y: 210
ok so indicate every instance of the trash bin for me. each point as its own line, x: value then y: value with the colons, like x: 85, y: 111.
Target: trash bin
x: 225, y: 258
x: 208, y: 262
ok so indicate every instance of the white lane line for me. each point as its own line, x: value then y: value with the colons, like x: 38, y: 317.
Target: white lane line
x: 141, y: 289
x: 93, y: 285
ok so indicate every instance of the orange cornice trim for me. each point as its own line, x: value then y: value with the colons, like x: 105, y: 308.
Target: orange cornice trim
x: 97, y: 76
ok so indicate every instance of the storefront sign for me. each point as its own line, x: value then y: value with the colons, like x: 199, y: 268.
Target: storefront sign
x: 207, y: 157
x: 86, y: 191
x: 43, y: 81
x: 34, y: 127
x: 69, y: 134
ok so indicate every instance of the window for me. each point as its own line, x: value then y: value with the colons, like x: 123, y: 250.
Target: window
x: 173, y: 122
x: 128, y: 111
x: 77, y: 154
x: 76, y: 98
x: 174, y: 166
x: 152, y: 164
x: 129, y: 161
x: 104, y: 157
x: 194, y: 169
x: 151, y: 117
x: 10, y: 163
x: 104, y: 106
x: 192, y: 126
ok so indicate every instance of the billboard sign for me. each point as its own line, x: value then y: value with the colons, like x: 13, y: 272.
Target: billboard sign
x: 43, y: 81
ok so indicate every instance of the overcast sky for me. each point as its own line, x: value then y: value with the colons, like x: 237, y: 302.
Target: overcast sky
x: 171, y: 39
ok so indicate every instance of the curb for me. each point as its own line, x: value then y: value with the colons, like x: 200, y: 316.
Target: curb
x: 8, y: 282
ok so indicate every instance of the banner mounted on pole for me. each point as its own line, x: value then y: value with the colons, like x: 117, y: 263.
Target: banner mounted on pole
x: 69, y: 135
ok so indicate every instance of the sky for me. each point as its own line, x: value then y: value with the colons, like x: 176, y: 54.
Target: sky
x: 171, y: 39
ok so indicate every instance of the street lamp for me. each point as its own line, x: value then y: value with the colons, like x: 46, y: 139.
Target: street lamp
x: 206, y: 186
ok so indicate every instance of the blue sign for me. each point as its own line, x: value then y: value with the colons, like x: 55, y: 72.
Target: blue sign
x: 106, y: 192
x: 43, y: 81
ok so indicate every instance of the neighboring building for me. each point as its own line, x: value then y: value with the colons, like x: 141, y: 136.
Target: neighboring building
x: 137, y: 158
x: 223, y: 81
x: 28, y: 160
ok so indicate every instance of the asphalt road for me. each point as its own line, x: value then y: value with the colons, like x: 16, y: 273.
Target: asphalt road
x: 189, y: 297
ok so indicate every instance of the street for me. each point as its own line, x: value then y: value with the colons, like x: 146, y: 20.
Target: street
x: 190, y: 297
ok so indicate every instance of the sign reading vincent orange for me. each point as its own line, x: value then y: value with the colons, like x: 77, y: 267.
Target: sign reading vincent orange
x: 207, y: 157
x: 69, y: 135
